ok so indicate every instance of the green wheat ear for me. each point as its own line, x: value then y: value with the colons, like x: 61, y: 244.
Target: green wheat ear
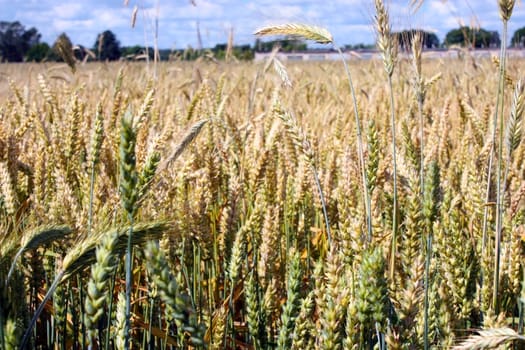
x: 291, y: 307
x: 371, y: 295
x: 179, y: 307
x: 97, y: 288
x: 128, y: 172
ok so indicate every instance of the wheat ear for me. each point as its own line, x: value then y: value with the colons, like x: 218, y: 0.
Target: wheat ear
x: 309, y: 32
x: 489, y: 339
x: 505, y: 10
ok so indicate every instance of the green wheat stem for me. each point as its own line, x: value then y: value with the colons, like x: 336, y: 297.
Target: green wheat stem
x: 422, y: 145
x: 91, y: 195
x: 426, y: 291
x: 499, y: 210
x: 110, y: 308
x: 394, y: 163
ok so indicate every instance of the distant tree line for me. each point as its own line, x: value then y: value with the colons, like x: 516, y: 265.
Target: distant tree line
x: 473, y: 38
x: 405, y: 37
x: 18, y: 44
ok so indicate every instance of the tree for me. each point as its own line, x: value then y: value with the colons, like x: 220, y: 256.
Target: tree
x: 404, y: 38
x: 287, y: 45
x: 472, y: 37
x: 107, y: 47
x: 15, y: 41
x: 518, y: 39
x: 38, y: 53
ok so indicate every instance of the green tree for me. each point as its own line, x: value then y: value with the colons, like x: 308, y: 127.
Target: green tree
x: 15, y: 41
x: 243, y: 52
x: 107, y: 47
x: 404, y: 38
x: 472, y: 37
x: 38, y: 53
x: 287, y: 45
x: 132, y: 52
x: 518, y: 39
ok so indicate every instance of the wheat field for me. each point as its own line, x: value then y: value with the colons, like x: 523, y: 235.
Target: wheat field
x: 239, y: 188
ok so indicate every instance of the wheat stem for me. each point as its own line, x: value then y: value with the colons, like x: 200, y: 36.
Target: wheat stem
x: 499, y: 211
x: 360, y: 151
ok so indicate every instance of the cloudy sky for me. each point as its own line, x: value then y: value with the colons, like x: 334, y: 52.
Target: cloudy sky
x: 348, y: 20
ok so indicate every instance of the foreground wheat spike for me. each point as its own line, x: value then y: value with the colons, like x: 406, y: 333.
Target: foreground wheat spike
x: 7, y: 189
x: 513, y: 132
x: 129, y: 195
x: 119, y: 324
x: 238, y: 250
x: 178, y: 305
x: 97, y: 288
x: 83, y: 254
x: 291, y: 307
x: 255, y: 314
x: 505, y: 9
x: 303, y: 335
x: 128, y: 172
x: 10, y: 332
x: 148, y: 172
x: 371, y: 295
x: 385, y: 40
x: 186, y: 141
x: 309, y: 32
x: 490, y: 339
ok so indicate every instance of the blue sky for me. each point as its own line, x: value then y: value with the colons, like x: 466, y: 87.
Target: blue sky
x: 348, y: 20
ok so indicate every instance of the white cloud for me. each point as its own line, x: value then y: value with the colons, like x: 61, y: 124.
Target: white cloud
x: 348, y: 20
x: 68, y: 10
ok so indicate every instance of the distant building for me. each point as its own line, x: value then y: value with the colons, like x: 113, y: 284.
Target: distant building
x: 367, y: 54
x: 318, y: 55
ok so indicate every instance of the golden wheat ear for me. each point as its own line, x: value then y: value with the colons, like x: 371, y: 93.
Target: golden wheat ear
x: 490, y: 339
x: 309, y: 32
